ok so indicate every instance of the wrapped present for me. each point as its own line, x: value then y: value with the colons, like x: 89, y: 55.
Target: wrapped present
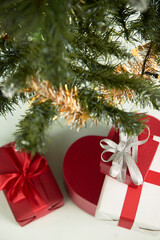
x: 129, y: 158
x: 133, y: 206
x: 29, y: 186
x: 105, y: 197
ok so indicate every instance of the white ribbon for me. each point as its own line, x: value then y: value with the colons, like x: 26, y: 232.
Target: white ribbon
x: 123, y: 158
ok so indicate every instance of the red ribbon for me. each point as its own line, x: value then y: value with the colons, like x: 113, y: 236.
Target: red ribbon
x: 132, y: 199
x: 19, y: 184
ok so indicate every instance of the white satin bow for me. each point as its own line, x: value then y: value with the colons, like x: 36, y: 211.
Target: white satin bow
x: 123, y: 157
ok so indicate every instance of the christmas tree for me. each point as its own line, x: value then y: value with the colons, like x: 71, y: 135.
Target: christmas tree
x: 70, y: 58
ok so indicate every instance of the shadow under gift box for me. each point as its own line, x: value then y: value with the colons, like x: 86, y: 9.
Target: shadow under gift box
x: 44, y: 183
x: 85, y: 182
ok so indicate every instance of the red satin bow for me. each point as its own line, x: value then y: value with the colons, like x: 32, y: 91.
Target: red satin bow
x: 19, y: 184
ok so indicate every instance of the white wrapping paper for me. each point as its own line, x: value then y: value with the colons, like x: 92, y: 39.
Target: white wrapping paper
x: 113, y: 195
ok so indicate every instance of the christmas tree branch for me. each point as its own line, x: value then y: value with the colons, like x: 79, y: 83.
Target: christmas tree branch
x: 75, y: 44
x: 146, y: 57
x: 7, y: 105
x: 99, y: 108
x: 31, y: 130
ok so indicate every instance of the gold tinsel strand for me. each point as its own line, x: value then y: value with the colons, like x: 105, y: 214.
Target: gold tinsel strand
x: 116, y: 97
x: 67, y: 100
x: 69, y: 105
x: 135, y: 66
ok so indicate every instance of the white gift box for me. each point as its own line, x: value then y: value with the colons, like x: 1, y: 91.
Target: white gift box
x: 129, y: 206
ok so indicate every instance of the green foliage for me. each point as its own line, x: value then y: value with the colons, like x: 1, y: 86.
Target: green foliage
x: 100, y: 109
x: 78, y: 43
x: 31, y: 129
x: 7, y: 105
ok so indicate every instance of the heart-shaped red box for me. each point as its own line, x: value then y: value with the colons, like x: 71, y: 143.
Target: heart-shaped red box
x: 81, y: 167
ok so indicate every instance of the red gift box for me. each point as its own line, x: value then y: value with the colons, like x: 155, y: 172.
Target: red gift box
x: 83, y: 178
x: 146, y: 151
x: 29, y: 186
